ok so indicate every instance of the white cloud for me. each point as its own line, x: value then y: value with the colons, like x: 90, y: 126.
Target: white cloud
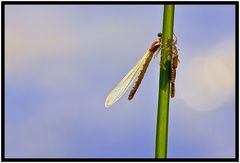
x: 207, y: 81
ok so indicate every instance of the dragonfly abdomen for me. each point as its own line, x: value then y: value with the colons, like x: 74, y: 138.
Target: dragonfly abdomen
x: 174, y: 64
x: 172, y: 90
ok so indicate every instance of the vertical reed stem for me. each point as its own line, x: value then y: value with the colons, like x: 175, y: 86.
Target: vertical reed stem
x: 164, y: 85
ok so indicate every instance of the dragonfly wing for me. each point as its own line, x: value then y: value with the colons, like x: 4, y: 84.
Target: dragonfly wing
x: 125, y: 83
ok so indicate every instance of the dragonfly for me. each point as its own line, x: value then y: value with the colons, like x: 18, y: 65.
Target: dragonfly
x: 137, y: 72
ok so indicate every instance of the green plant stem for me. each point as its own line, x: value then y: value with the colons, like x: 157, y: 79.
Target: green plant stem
x: 164, y: 85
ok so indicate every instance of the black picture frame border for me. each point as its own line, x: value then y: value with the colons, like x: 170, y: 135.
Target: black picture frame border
x: 4, y: 3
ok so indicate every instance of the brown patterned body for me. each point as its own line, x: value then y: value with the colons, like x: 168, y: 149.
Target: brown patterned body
x: 174, y: 64
x: 173, y: 75
x: 172, y: 90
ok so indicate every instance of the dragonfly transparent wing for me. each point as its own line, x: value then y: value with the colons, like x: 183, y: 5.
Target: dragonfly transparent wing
x: 125, y: 83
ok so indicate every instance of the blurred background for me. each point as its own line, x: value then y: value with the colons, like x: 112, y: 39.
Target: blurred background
x: 61, y: 61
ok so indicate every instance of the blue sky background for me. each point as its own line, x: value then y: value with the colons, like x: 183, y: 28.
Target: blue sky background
x: 62, y: 61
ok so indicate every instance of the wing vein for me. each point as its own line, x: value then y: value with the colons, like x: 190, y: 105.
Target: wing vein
x: 125, y: 83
